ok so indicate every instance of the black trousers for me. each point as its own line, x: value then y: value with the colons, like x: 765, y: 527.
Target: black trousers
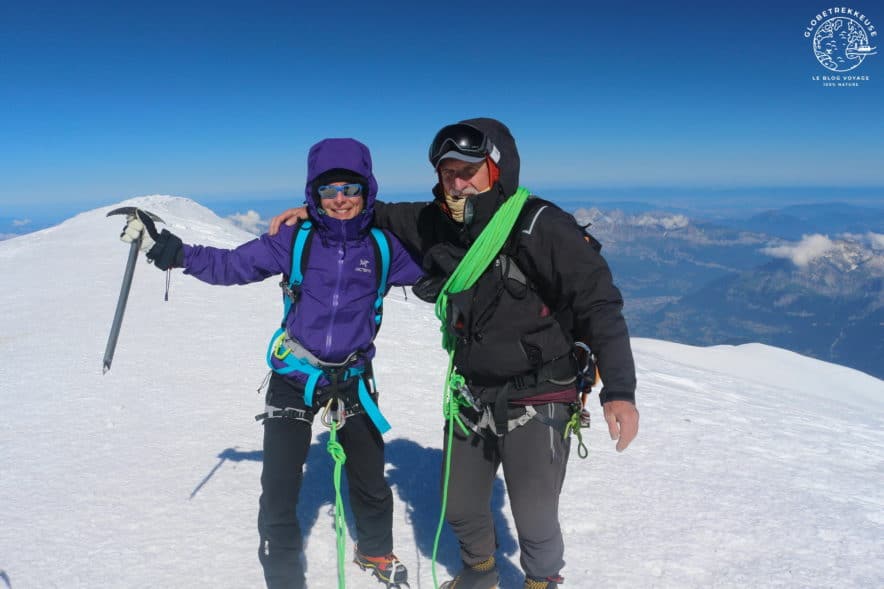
x: 534, y: 457
x: 286, y: 443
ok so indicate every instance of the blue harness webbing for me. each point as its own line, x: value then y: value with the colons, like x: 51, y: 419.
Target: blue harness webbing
x: 280, y: 351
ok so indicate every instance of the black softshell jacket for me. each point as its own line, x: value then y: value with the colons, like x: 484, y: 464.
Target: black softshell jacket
x: 510, y: 327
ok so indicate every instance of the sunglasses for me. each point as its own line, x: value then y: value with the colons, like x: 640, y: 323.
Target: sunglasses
x: 461, y: 138
x: 329, y: 191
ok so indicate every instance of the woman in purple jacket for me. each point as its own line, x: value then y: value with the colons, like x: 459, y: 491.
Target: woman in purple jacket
x: 322, y: 353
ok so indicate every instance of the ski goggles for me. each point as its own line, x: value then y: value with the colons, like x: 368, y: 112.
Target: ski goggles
x: 463, y: 142
x: 331, y: 191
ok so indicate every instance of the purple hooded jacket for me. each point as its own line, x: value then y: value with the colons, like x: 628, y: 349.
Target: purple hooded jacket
x: 335, y: 314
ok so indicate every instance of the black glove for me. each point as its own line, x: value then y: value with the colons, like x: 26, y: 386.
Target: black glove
x: 428, y: 288
x: 167, y: 252
x: 442, y: 259
x: 439, y: 263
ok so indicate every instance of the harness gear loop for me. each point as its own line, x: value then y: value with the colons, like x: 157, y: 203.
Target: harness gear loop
x: 271, y: 412
x: 587, y: 375
x: 265, y: 382
x: 457, y: 395
x: 574, y: 425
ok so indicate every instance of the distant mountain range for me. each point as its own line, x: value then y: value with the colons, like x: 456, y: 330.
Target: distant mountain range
x: 824, y: 310
x: 707, y: 284
x: 827, y: 218
x: 806, y: 278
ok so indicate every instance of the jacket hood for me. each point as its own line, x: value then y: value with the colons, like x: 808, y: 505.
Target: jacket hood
x: 509, y: 155
x: 346, y: 155
x: 481, y: 207
x: 509, y: 163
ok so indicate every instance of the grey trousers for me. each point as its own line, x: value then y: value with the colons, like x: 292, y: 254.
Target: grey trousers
x: 534, y: 457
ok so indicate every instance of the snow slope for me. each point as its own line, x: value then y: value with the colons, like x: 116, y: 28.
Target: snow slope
x: 754, y: 467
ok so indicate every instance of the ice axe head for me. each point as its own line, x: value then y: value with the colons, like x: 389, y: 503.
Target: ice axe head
x: 133, y: 210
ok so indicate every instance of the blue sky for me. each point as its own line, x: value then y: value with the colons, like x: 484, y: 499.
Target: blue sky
x: 102, y: 101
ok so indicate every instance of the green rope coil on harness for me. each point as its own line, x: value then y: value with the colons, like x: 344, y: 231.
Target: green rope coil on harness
x: 453, y: 401
x: 573, y: 426
x: 474, y: 264
x: 337, y: 453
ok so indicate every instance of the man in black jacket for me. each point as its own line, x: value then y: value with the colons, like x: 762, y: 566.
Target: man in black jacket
x: 514, y: 331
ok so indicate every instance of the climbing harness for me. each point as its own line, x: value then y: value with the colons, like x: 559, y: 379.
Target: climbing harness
x: 285, y: 349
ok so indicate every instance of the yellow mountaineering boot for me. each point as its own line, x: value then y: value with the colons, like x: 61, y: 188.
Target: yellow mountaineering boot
x: 548, y: 583
x: 482, y: 575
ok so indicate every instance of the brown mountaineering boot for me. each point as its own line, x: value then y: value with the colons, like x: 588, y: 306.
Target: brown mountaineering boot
x: 482, y: 575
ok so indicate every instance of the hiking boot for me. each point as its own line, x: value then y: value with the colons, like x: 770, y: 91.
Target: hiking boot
x: 547, y: 583
x: 386, y: 568
x: 482, y: 575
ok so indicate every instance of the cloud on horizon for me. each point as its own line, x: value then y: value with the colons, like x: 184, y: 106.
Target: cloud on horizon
x: 805, y: 251
x: 666, y: 222
x: 250, y: 221
x: 20, y: 222
x: 873, y: 240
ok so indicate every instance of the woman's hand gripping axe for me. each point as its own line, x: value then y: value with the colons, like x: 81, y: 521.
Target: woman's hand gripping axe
x: 127, y: 283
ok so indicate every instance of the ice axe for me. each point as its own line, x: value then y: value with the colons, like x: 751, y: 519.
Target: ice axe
x: 127, y: 284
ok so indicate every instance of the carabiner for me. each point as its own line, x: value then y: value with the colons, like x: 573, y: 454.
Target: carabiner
x: 280, y: 343
x: 327, y: 417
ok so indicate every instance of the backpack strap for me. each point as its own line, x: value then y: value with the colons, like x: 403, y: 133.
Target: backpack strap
x: 382, y: 256
x: 291, y: 287
x: 300, y: 248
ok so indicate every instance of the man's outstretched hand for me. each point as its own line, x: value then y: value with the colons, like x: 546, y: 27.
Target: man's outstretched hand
x: 289, y: 217
x: 622, y: 419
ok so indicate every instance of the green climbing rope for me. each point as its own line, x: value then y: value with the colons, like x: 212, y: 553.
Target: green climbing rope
x: 336, y: 451
x: 450, y: 406
x: 477, y: 259
x: 573, y: 425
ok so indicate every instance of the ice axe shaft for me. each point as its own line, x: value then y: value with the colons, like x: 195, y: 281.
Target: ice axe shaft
x: 121, y: 306
x: 124, y: 288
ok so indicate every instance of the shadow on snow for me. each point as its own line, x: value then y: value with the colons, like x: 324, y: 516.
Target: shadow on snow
x: 414, y: 472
